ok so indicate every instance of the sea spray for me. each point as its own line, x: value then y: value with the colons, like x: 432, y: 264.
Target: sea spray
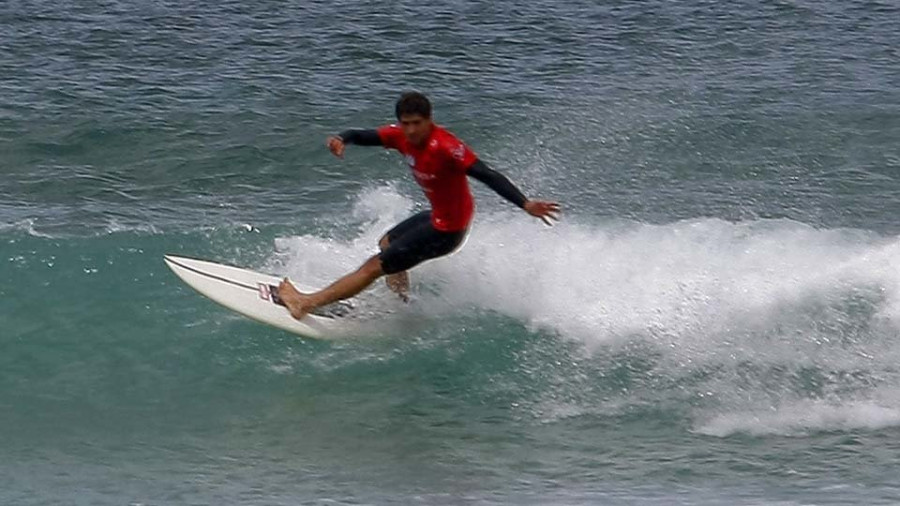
x: 724, y: 316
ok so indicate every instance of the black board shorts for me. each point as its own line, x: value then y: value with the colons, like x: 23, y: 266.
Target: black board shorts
x: 415, y: 240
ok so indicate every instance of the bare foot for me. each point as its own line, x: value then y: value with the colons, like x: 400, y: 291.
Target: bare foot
x: 297, y: 303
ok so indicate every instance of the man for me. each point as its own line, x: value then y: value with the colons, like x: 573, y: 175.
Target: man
x: 440, y: 163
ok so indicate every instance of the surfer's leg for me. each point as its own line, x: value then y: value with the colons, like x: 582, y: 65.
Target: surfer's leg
x: 419, y: 242
x: 397, y: 282
x: 300, y: 304
x: 416, y: 245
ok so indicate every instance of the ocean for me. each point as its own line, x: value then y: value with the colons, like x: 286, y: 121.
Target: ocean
x: 714, y: 321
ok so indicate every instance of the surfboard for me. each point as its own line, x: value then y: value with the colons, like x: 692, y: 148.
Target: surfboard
x: 255, y: 295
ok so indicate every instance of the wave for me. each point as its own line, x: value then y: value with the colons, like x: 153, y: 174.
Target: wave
x: 766, y: 326
x: 803, y: 417
x: 24, y: 225
x: 34, y: 228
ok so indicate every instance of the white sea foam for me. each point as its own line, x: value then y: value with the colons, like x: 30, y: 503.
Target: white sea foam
x: 26, y: 225
x: 803, y: 417
x: 753, y: 302
x: 602, y: 282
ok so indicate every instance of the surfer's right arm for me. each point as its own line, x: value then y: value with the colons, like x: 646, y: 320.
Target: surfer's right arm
x: 337, y: 143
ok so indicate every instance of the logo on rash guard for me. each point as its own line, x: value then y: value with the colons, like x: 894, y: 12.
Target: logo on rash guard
x: 459, y: 152
x: 423, y: 176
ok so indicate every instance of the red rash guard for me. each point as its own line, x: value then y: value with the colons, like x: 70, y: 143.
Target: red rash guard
x: 440, y: 169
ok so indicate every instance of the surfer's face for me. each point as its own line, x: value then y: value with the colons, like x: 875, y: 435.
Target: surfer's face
x: 416, y: 128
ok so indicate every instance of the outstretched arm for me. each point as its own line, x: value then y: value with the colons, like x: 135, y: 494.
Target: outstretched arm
x: 337, y: 143
x: 496, y: 181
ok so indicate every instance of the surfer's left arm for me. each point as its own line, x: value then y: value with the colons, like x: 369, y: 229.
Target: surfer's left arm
x: 501, y: 184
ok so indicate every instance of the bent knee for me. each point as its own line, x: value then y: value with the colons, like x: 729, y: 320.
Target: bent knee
x: 372, y: 268
x: 384, y: 242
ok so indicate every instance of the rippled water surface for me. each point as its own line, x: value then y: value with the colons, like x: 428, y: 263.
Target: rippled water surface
x: 716, y: 320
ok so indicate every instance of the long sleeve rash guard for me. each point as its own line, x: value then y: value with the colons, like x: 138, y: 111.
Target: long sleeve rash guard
x: 478, y: 170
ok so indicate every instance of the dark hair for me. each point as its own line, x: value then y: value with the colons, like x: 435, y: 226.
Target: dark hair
x: 413, y: 102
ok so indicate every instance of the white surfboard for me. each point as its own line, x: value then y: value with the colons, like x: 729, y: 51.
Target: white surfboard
x: 255, y: 295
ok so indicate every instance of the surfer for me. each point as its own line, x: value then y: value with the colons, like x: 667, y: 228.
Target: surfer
x: 440, y: 163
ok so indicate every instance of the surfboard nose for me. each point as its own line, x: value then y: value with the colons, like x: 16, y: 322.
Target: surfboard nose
x: 248, y: 293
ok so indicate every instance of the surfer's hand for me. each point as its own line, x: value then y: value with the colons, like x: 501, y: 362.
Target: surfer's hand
x: 335, y: 145
x: 546, y: 211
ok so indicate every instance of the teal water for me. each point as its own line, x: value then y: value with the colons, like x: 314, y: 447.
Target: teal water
x: 716, y: 320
